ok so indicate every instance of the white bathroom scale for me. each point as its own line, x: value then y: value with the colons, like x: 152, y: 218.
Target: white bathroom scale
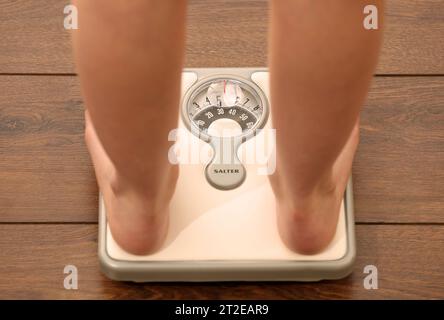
x: 222, y: 214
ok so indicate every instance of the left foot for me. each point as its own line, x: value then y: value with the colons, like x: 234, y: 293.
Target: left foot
x: 138, y: 221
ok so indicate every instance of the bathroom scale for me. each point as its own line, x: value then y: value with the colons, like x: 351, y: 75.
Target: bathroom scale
x: 222, y: 214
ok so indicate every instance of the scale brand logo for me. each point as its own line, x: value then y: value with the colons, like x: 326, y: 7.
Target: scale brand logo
x: 225, y: 171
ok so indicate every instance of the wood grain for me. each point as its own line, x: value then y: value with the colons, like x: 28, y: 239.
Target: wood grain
x: 399, y: 167
x: 409, y: 261
x: 48, y: 194
x: 220, y: 33
x: 46, y: 173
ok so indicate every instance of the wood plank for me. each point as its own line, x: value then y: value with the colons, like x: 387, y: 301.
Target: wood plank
x: 220, y: 33
x: 413, y: 37
x: 32, y: 258
x: 46, y: 174
x: 399, y: 166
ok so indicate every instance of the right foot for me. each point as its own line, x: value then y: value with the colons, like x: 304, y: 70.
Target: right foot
x: 138, y: 222
x: 307, y: 222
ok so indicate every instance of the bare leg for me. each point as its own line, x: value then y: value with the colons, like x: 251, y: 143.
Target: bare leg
x: 129, y: 56
x: 322, y: 61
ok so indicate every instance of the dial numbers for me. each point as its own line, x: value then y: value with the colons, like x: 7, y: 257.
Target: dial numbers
x: 225, y: 99
x: 244, y: 118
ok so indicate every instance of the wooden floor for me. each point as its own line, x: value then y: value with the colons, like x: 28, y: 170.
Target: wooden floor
x: 48, y: 195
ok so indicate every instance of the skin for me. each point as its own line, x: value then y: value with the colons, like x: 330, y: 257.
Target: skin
x: 129, y: 57
x: 320, y: 74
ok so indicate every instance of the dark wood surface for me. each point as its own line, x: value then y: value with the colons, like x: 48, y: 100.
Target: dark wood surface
x: 409, y: 260
x: 47, y: 175
x: 221, y: 33
x: 48, y: 195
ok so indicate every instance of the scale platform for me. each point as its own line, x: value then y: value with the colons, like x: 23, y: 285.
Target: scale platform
x: 223, y: 221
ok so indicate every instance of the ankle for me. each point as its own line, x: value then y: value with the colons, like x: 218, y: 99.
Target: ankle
x: 320, y: 185
x: 304, y: 196
x: 141, y: 185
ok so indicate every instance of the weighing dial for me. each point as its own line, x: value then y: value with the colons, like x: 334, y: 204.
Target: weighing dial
x: 225, y: 112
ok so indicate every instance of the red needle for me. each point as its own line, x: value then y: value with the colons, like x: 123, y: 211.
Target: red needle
x: 225, y: 85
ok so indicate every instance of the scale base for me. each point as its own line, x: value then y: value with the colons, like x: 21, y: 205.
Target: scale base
x: 227, y: 235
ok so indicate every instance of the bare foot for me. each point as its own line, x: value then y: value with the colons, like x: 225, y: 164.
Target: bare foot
x: 138, y: 222
x: 307, y: 223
